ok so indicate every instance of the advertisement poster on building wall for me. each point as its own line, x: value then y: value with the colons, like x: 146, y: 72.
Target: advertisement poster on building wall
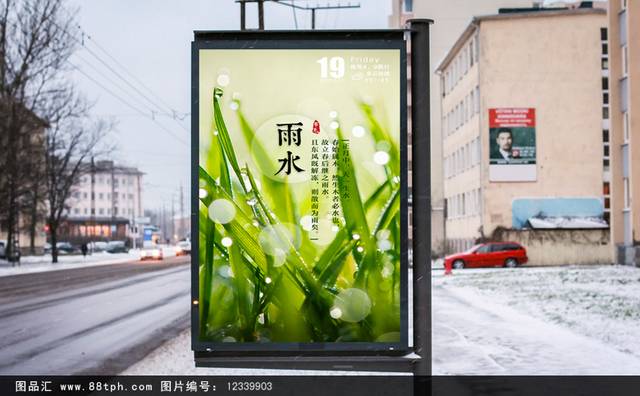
x: 299, y: 225
x: 512, y: 144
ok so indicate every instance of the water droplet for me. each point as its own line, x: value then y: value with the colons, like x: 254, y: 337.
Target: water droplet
x: 225, y: 271
x: 383, y: 234
x: 334, y: 125
x: 335, y: 313
x: 252, y: 201
x: 360, y: 249
x: 335, y: 228
x: 381, y: 157
x: 358, y: 131
x: 223, y: 80
x: 236, y: 96
x: 267, y: 280
x: 226, y: 241
x: 384, y: 245
x: 261, y: 318
x: 356, y: 236
x: 354, y: 305
x: 383, y: 145
x: 234, y: 106
x: 333, y: 114
x: 202, y: 193
x: 222, y: 211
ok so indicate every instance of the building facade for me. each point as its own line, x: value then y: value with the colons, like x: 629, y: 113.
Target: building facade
x: 105, y: 204
x: 525, y: 130
x: 450, y: 19
x: 624, y: 61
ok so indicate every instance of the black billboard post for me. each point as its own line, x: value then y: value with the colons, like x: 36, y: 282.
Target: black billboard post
x: 275, y: 285
x: 421, y: 194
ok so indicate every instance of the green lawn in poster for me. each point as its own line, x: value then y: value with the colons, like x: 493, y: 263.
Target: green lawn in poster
x: 299, y: 196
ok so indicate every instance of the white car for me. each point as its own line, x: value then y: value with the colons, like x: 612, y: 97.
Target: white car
x: 151, y: 253
x: 183, y: 248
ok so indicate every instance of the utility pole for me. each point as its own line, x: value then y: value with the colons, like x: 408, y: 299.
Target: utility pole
x: 313, y: 9
x: 182, y: 230
x: 173, y: 218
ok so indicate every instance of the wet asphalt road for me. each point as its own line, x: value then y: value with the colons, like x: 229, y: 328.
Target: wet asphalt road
x: 91, y: 320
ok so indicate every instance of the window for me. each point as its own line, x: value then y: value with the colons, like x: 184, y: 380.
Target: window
x: 408, y: 6
x: 101, y: 211
x: 605, y: 83
x: 625, y: 126
x: 606, y: 150
x: 85, y: 195
x: 605, y: 135
x: 605, y: 49
x: 477, y: 45
x: 606, y: 188
x: 484, y: 249
x: 603, y: 34
x: 86, y: 211
x: 605, y: 113
x: 605, y: 64
x: 76, y: 211
x: 477, y: 99
x: 605, y: 98
x: 623, y: 4
x: 471, y: 56
x: 101, y: 196
x: 607, y: 203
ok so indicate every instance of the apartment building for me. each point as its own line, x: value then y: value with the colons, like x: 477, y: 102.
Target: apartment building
x: 450, y: 18
x: 624, y: 64
x: 525, y: 130
x: 105, y: 203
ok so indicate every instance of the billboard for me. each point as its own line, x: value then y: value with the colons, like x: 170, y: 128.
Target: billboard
x: 300, y: 191
x: 512, y: 144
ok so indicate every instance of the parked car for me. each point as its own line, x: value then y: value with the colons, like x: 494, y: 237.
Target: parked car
x: 492, y: 254
x: 63, y: 248
x: 151, y: 252
x: 98, y: 246
x: 117, y: 247
x: 15, y: 257
x: 183, y: 248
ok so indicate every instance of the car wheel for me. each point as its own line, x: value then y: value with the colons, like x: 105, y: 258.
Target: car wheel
x: 458, y: 264
x: 511, y: 263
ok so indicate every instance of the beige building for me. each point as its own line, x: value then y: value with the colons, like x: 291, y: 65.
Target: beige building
x: 450, y: 19
x: 105, y: 203
x: 624, y: 61
x: 539, y: 78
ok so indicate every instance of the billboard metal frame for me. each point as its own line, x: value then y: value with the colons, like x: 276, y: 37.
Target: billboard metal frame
x: 337, y: 355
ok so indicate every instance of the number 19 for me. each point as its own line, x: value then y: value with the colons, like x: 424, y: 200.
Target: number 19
x: 333, y: 67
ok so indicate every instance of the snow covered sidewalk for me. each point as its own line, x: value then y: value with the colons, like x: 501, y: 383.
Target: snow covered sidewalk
x: 31, y: 264
x: 555, y: 321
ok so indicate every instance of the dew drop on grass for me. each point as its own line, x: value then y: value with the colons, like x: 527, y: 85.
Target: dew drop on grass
x: 335, y: 313
x: 334, y: 125
x: 252, y: 201
x: 226, y: 241
x: 358, y: 131
x: 383, y: 234
x: 234, y: 106
x: 360, y: 249
x: 223, y: 79
x: 333, y: 114
x: 267, y: 280
x: 381, y: 157
x: 222, y: 211
x: 202, y: 193
x: 356, y: 236
x: 384, y: 245
x: 354, y: 305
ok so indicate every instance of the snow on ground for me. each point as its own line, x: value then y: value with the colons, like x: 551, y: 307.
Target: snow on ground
x: 176, y: 358
x: 560, y: 320
x: 31, y: 264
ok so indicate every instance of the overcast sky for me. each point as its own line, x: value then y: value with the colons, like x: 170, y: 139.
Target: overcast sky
x: 148, y: 42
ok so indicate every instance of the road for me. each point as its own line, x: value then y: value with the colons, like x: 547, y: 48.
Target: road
x: 91, y: 320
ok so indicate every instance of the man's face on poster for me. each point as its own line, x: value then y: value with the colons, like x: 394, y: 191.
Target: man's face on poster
x: 505, y: 140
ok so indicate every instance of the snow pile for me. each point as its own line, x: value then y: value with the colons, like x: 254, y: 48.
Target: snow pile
x: 562, y: 320
x: 31, y: 264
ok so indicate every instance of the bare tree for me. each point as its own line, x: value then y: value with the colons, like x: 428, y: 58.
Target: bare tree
x: 36, y: 42
x: 70, y: 143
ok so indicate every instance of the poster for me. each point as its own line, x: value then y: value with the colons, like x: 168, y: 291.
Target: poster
x: 512, y: 144
x: 300, y: 197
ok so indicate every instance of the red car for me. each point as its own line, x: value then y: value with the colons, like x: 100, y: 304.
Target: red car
x: 492, y: 254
